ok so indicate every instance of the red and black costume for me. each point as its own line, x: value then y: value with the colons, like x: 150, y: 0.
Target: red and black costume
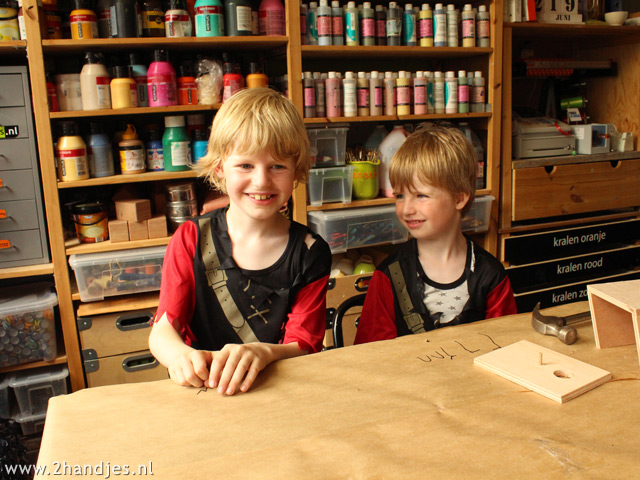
x: 283, y: 303
x: 397, y: 298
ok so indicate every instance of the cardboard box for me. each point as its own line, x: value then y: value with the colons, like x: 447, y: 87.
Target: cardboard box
x: 157, y: 226
x: 134, y: 210
x: 138, y: 230
x: 118, y: 231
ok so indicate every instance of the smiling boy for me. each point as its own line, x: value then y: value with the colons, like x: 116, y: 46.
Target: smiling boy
x: 439, y: 277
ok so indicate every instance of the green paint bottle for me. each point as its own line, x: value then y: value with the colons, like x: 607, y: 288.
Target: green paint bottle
x: 176, y: 144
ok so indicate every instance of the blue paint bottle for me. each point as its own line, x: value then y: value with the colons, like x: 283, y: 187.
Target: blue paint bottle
x: 200, y: 143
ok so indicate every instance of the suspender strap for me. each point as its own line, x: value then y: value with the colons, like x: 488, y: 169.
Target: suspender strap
x: 217, y: 280
x: 413, y: 320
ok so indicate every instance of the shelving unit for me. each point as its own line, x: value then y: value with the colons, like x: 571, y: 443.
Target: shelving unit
x: 287, y: 56
x: 573, y: 195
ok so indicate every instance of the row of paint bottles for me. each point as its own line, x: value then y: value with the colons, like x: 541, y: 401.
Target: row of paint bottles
x: 402, y: 93
x: 324, y: 24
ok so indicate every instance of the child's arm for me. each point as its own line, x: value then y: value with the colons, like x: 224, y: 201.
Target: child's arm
x: 500, y: 301
x: 378, y: 317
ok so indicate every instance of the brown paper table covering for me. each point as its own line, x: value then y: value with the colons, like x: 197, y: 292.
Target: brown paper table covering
x: 414, y: 407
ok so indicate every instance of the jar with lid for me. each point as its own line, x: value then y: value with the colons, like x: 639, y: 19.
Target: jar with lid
x: 90, y: 219
x: 71, y: 151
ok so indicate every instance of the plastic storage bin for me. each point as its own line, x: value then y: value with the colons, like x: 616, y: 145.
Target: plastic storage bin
x: 357, y: 227
x: 4, y: 398
x: 330, y: 185
x: 477, y: 218
x: 27, y: 324
x: 100, y: 275
x: 328, y: 145
x: 31, y: 423
x: 34, y: 388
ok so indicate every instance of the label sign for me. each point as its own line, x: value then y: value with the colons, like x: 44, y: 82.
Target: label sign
x: 576, y: 292
x: 3, y: 213
x: 5, y: 244
x: 568, y: 242
x: 558, y: 272
x: 9, y: 131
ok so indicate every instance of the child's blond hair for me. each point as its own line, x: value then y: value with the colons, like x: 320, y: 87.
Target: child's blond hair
x: 438, y: 156
x: 253, y: 121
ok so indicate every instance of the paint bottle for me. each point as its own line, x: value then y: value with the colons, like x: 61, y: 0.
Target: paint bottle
x: 131, y: 152
x: 153, y: 147
x: 389, y: 94
x: 439, y: 26
x: 271, y: 18
x: 403, y: 93
x: 362, y: 93
x: 394, y: 24
x: 337, y: 24
x: 208, y: 18
x: 450, y: 93
x: 139, y: 73
x: 309, y: 93
x: 162, y: 88
x: 303, y: 23
x: 187, y: 88
x: 104, y: 18
x: 419, y: 94
x: 238, y: 17
x: 333, y: 96
x: 367, y: 25
x: 255, y: 21
x: 312, y: 24
x: 200, y: 144
x: 123, y: 15
x: 124, y: 91
x: 468, y: 26
x: 425, y: 26
x: 388, y: 147
x: 452, y: 26
x: 69, y: 91
x: 352, y: 27
x: 232, y: 80
x: 52, y: 96
x: 99, y: 152
x: 381, y: 25
x: 339, y: 76
x: 478, y: 98
x: 477, y: 146
x: 438, y: 92
x: 176, y: 144
x: 94, y: 84
x: 177, y: 22
x: 321, y: 106
x: 409, y: 37
x: 195, y: 122
x: 349, y: 95
x: 463, y: 92
x: 483, y: 27
x: 152, y: 18
x: 376, y: 94
x: 323, y: 23
x: 430, y: 92
x: 83, y: 22
x: 71, y: 151
x: 257, y: 78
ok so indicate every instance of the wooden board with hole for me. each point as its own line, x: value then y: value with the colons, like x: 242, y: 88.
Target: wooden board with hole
x: 542, y: 370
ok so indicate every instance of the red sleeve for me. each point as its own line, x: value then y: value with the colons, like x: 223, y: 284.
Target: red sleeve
x: 306, y: 322
x: 177, y: 288
x: 378, y: 317
x: 500, y: 301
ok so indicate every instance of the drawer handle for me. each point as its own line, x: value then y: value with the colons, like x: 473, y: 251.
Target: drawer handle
x: 4, y: 157
x: 134, y: 321
x: 139, y: 362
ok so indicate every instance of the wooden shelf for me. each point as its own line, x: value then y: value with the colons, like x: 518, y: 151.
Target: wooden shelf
x: 549, y: 224
x: 75, y: 247
x: 572, y: 159
x: 379, y: 52
x: 175, y: 109
x: 59, y: 360
x: 119, y: 304
x: 27, y: 271
x: 261, y: 43
x: 13, y: 47
x: 581, y: 32
x: 119, y: 179
x: 398, y: 118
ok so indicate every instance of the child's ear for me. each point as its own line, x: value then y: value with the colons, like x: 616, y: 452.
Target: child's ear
x: 461, y: 200
x: 219, y: 171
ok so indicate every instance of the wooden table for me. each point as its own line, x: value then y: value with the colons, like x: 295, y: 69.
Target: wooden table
x: 414, y: 407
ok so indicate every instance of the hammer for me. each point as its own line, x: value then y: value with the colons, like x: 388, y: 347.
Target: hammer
x: 552, y: 325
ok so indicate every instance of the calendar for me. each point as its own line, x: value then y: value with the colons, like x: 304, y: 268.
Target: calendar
x: 558, y: 11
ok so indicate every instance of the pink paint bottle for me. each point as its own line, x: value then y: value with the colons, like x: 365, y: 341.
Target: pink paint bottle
x: 161, y: 81
x: 333, y: 95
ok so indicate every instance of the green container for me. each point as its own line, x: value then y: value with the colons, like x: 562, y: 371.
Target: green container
x: 365, y: 179
x: 176, y: 145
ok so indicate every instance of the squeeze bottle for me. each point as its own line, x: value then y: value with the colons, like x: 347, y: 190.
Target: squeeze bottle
x: 94, y: 84
x: 99, y: 152
x: 161, y: 81
x: 72, y: 154
x: 124, y: 93
x: 237, y: 17
x: 209, y: 18
x: 271, y: 18
x: 131, y: 151
x: 176, y: 144
x: 83, y: 22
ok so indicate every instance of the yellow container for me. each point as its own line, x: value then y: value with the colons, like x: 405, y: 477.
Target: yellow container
x: 365, y: 179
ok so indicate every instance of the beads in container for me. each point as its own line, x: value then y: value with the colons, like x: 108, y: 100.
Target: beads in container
x: 209, y: 81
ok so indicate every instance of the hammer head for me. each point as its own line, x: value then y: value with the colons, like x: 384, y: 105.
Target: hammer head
x: 552, y: 325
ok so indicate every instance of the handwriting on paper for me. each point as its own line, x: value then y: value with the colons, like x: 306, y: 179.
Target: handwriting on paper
x: 456, y: 349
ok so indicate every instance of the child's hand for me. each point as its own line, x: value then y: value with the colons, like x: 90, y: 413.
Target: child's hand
x: 238, y: 366
x: 191, y: 368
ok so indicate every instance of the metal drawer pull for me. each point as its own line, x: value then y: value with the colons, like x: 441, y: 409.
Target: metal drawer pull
x: 133, y: 321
